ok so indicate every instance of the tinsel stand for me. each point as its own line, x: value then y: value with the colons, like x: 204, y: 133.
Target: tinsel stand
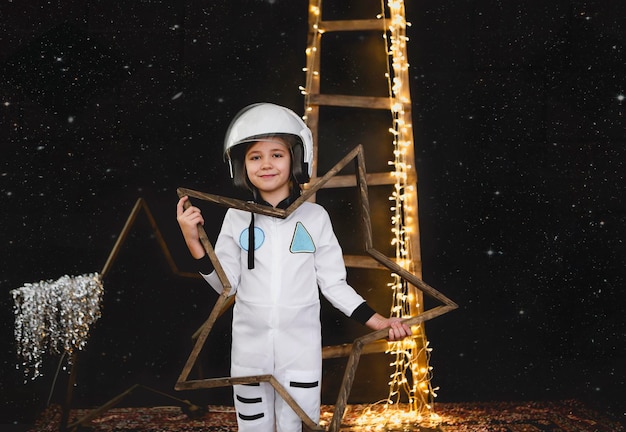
x: 54, y: 316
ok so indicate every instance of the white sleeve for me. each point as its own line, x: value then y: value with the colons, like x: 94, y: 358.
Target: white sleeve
x: 331, y: 270
x: 228, y: 252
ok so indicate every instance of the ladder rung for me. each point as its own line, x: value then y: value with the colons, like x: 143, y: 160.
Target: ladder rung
x: 352, y: 25
x: 351, y: 101
x: 373, y: 179
x: 363, y: 261
x: 367, y: 262
x: 344, y: 350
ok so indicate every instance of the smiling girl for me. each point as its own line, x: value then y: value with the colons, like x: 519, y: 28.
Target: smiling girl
x: 277, y: 268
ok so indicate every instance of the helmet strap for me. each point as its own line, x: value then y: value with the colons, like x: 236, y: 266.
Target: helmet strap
x: 230, y: 168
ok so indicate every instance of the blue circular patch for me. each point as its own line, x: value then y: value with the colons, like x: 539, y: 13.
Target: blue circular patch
x: 259, y: 238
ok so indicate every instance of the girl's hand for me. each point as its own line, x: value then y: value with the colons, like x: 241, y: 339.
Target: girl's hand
x: 397, y: 329
x: 188, y: 220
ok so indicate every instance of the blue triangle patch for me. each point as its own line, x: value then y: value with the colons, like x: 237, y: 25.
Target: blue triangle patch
x: 302, y: 241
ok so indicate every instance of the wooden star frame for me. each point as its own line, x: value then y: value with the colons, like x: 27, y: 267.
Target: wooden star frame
x: 223, y: 302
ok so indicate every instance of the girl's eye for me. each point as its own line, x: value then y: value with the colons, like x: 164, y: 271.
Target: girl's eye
x: 278, y: 155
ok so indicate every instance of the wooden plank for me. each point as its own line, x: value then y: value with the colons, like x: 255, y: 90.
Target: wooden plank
x: 219, y: 304
x: 370, y: 102
x: 344, y: 350
x: 306, y: 420
x: 364, y: 201
x: 104, y: 408
x: 373, y: 179
x: 353, y: 25
x: 367, y: 262
x: 362, y: 261
x: 313, y: 56
x: 141, y: 204
x: 342, y: 181
x: 230, y: 381
x: 231, y: 203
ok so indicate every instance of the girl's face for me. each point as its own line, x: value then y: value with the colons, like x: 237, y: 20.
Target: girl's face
x: 268, y: 167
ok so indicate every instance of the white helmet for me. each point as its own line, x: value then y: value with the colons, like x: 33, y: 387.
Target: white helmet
x: 266, y: 120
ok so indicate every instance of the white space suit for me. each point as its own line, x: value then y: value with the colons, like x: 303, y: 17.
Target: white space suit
x: 276, y: 319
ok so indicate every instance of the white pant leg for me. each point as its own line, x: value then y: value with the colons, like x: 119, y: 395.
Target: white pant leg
x: 298, y: 365
x: 254, y: 403
x: 305, y: 388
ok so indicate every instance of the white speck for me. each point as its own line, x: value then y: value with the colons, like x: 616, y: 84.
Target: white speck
x: 177, y: 95
x: 70, y: 119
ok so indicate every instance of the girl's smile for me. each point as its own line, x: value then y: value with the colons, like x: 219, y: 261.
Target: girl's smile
x: 268, y: 166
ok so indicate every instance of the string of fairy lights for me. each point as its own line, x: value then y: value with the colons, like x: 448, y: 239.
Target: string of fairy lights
x: 411, y: 376
x: 412, y: 372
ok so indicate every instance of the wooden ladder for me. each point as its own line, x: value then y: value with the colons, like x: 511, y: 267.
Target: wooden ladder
x: 398, y: 104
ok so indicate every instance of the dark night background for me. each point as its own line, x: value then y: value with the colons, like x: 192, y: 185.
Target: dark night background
x: 519, y: 131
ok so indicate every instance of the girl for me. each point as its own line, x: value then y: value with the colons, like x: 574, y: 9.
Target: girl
x: 277, y: 267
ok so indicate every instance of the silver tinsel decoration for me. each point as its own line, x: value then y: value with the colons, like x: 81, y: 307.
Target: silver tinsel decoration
x: 54, y: 317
